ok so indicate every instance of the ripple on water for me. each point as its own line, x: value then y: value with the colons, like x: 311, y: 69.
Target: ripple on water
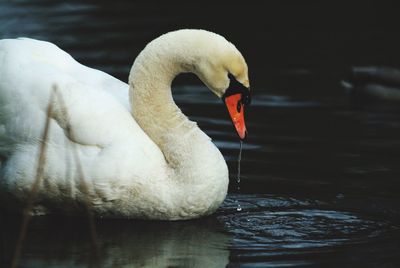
x: 272, y: 223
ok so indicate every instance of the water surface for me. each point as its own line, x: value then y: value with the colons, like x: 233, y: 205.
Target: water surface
x: 319, y: 176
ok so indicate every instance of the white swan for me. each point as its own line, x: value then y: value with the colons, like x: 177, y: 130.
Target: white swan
x: 148, y: 161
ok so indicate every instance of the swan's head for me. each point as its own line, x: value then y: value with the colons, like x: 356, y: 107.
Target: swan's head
x: 216, y: 61
x: 223, y: 69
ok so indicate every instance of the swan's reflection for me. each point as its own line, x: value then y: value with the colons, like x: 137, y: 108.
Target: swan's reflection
x: 65, y: 242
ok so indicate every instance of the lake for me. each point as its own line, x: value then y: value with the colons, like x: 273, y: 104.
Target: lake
x: 320, y: 175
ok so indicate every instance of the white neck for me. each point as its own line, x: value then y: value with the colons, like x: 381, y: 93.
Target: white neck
x: 151, y: 99
x: 197, y: 170
x: 187, y: 150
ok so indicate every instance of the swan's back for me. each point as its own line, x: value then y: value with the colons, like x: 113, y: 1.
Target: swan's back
x: 45, y: 58
x: 111, y: 146
x: 29, y: 69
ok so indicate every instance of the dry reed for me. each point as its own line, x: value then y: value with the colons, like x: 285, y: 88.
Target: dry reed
x: 94, y: 262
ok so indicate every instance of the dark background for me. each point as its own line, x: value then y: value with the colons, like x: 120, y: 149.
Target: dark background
x: 275, y: 36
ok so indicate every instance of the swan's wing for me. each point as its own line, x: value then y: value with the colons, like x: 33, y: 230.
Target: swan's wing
x: 49, y: 54
x: 97, y: 103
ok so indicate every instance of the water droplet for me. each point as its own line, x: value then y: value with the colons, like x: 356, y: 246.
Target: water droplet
x: 340, y: 196
x: 239, y: 160
x: 239, y: 208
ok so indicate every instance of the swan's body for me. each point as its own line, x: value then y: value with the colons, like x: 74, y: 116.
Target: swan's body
x: 155, y: 164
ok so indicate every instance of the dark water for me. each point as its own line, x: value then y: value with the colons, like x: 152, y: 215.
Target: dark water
x: 319, y: 183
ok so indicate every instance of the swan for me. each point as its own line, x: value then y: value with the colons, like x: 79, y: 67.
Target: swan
x: 141, y: 157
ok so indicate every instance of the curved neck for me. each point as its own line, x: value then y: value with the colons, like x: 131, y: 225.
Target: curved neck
x: 151, y: 99
x: 197, y: 170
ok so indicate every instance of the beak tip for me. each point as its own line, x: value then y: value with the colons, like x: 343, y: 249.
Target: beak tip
x: 243, y: 136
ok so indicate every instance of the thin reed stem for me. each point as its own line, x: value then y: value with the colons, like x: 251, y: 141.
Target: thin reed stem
x: 35, y: 186
x: 83, y: 185
x: 39, y: 174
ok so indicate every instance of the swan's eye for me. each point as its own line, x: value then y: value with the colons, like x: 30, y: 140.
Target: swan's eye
x: 236, y: 87
x: 246, y: 98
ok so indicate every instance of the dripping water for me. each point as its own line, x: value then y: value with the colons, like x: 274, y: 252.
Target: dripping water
x: 239, y: 208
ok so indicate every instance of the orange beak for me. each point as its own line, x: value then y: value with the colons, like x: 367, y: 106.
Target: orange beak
x: 236, y: 111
